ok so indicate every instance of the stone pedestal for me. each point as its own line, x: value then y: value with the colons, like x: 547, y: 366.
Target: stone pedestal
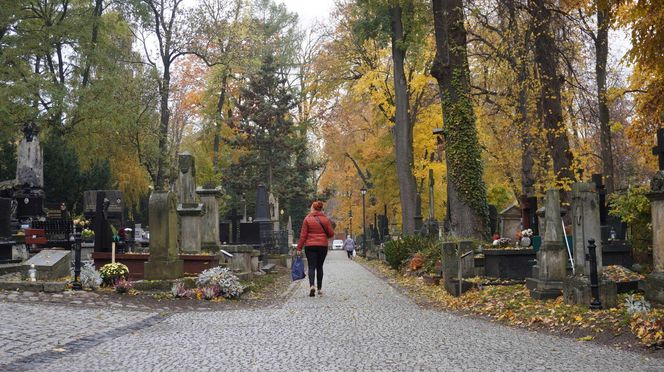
x: 576, y: 290
x: 210, y: 221
x: 586, y: 226
x: 653, y: 285
x: 245, y: 258
x: 190, y: 227
x: 552, y: 255
x: 163, y: 263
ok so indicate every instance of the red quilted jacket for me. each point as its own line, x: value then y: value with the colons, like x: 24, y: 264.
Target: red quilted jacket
x: 312, y: 233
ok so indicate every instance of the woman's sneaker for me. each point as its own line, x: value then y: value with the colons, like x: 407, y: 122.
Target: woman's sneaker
x: 320, y: 292
x: 312, y: 292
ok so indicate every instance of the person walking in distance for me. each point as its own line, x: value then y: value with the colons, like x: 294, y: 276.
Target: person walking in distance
x: 349, y: 246
x: 316, y: 230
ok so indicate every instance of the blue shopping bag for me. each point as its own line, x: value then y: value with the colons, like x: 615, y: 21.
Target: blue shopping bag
x: 297, y: 269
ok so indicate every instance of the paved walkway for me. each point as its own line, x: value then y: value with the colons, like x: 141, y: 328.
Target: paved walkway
x: 360, y: 324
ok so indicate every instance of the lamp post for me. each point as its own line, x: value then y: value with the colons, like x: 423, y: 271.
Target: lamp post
x: 363, y: 190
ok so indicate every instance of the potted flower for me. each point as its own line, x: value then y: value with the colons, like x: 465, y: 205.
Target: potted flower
x: 111, y: 272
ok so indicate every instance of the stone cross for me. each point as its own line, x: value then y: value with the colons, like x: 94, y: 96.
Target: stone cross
x: 597, y: 179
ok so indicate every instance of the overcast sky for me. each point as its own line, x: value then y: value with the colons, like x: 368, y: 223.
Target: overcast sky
x: 310, y: 10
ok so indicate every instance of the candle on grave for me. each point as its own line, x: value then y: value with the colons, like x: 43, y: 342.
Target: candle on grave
x: 113, y: 252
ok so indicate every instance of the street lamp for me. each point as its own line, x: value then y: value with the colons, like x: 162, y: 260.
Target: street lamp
x: 363, y: 191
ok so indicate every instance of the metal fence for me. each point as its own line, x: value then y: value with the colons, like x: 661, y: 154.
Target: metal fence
x: 274, y: 242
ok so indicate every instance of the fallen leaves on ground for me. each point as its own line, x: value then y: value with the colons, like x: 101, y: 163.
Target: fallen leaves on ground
x: 620, y: 274
x: 513, y: 305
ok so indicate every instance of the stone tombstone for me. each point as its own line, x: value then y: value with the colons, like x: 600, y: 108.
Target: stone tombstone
x: 418, y: 212
x: 585, y: 226
x: 5, y: 217
x: 50, y: 264
x: 263, y: 218
x: 452, y: 252
x: 30, y: 159
x: 653, y: 285
x: 493, y: 218
x: 552, y: 256
x: 289, y: 228
x: 163, y: 263
x: 274, y: 211
x: 529, y: 213
x: 210, y: 221
x: 189, y: 209
x: 105, y: 208
x: 510, y: 221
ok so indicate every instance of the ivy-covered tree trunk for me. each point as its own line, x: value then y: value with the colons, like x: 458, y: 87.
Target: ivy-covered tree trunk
x: 467, y: 209
x: 546, y: 60
x: 403, y: 131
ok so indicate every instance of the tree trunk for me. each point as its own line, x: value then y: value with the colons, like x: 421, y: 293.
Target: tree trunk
x: 217, y: 128
x: 467, y: 209
x: 546, y: 61
x: 164, y: 90
x: 601, y: 53
x: 403, y: 131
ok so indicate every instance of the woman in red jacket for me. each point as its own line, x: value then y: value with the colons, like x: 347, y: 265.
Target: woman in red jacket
x: 316, y: 230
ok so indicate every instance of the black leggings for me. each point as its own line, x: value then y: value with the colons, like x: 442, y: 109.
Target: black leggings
x: 315, y: 258
x: 350, y: 254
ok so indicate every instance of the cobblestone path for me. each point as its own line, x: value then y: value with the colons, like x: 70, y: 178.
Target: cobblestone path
x: 360, y: 323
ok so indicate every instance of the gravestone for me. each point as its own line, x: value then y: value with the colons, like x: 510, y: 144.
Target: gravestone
x: 189, y: 209
x: 653, y: 285
x: 615, y: 249
x: 451, y: 253
x: 163, y: 263
x: 289, y: 228
x: 263, y: 218
x: 210, y: 221
x: 30, y: 176
x: 552, y: 256
x: 493, y: 218
x: 50, y: 264
x: 274, y: 211
x: 418, y: 212
x: 510, y: 221
x: 586, y: 226
x: 5, y: 217
x: 105, y: 208
x: 529, y: 213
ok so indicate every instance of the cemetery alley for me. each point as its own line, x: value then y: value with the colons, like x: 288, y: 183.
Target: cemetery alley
x: 361, y: 323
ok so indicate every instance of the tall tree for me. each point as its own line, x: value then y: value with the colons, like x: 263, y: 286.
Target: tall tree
x: 400, y: 20
x: 550, y: 104
x: 164, y: 20
x: 467, y: 209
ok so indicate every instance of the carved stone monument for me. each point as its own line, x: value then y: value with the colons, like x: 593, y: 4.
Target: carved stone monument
x: 189, y: 209
x: 552, y: 258
x: 586, y: 226
x: 163, y: 263
x: 263, y: 218
x: 653, y: 285
x: 210, y: 221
